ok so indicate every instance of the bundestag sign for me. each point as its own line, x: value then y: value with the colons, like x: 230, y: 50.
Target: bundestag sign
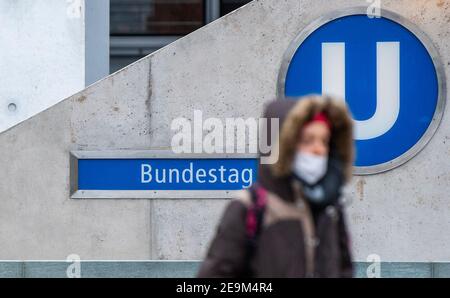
x: 387, y: 71
x: 159, y: 174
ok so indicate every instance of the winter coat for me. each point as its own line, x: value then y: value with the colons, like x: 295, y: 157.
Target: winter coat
x: 295, y: 239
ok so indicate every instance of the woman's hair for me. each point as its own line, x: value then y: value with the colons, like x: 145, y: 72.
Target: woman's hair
x: 341, y: 141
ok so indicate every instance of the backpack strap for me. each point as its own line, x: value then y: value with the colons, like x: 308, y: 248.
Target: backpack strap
x: 254, y: 220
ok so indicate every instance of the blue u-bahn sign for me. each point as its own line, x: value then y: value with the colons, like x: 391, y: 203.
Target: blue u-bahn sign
x: 386, y: 70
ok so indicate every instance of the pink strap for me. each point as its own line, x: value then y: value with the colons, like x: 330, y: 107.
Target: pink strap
x: 252, y: 221
x: 261, y: 197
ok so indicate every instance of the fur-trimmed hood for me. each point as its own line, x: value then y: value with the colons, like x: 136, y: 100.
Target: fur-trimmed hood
x: 293, y: 114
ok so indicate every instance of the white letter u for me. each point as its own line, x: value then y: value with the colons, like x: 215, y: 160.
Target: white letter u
x: 388, y: 85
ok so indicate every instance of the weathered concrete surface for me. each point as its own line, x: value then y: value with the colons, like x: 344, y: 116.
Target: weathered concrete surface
x: 229, y: 68
x: 43, y: 41
x: 38, y: 220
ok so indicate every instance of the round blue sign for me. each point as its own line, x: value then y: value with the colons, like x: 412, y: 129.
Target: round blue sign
x: 386, y: 76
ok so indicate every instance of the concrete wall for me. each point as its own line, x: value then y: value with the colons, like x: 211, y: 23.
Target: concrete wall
x: 43, y: 53
x: 229, y: 68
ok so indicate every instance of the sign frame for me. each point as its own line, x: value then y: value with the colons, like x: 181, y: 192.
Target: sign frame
x: 420, y: 35
x: 76, y: 193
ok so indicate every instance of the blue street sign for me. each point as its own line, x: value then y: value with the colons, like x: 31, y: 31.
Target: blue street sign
x: 385, y: 74
x: 112, y: 174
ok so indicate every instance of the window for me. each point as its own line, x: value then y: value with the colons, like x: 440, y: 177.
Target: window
x: 227, y: 6
x: 156, y: 17
x: 139, y: 27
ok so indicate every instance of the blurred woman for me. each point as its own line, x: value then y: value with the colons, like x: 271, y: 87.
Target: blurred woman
x: 291, y: 222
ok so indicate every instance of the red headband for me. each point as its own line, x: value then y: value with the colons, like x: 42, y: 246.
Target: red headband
x: 322, y: 117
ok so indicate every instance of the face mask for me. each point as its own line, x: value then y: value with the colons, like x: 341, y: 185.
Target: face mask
x: 310, y: 167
